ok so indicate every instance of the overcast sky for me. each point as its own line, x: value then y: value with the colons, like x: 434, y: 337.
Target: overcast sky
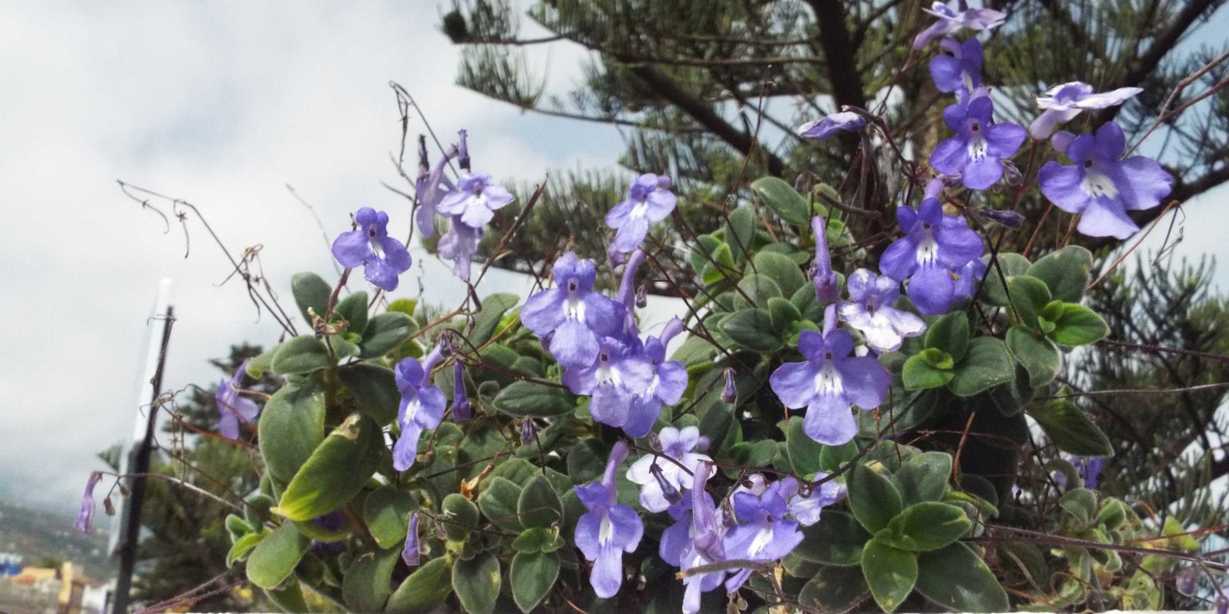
x: 221, y: 104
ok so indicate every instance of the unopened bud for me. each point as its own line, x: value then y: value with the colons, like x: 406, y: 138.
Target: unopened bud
x: 1010, y: 219
x: 729, y: 392
x: 529, y: 431
x: 642, y: 297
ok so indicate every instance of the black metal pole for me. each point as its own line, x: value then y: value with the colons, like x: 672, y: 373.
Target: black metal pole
x: 138, y: 462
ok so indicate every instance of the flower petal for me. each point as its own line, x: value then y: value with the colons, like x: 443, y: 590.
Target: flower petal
x: 829, y: 421
x: 351, y: 248
x: 931, y: 290
x: 1062, y: 185
x: 794, y: 384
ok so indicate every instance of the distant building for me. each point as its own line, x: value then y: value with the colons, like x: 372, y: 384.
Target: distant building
x: 63, y: 590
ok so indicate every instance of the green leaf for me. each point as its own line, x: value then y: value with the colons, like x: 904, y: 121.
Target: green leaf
x: 538, y: 505
x: 783, y: 199
x: 336, y: 471
x: 310, y: 291
x: 926, y: 526
x: 368, y: 581
x: 257, y: 366
x: 275, y: 557
x: 722, y: 263
x: 754, y: 453
x: 740, y: 230
x: 919, y: 373
x: 752, y: 329
x: 782, y: 313
x: 993, y: 288
x: 353, y: 309
x: 426, y: 588
x: 532, y: 576
x: 1037, y: 355
x: 525, y: 399
x: 537, y: 539
x: 950, y: 333
x: 837, y: 539
x: 923, y: 477
x: 301, y: 355
x: 374, y: 389
x: 385, y: 333
x: 957, y: 579
x: 834, y: 589
x: 1078, y: 325
x: 1065, y: 271
x: 873, y: 498
x: 493, y: 309
x: 288, y: 596
x: 243, y: 546
x: 1069, y: 429
x: 833, y: 457
x: 386, y: 512
x: 476, y: 583
x: 755, y: 290
x: 1080, y: 503
x: 291, y: 426
x: 988, y: 364
x: 498, y: 503
x: 781, y: 269
x: 803, y: 451
x: 460, y: 516
x: 890, y: 573
x: 1029, y: 296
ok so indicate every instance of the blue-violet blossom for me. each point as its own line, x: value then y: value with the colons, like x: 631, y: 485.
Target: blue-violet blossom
x: 614, y: 382
x: 870, y: 310
x: 952, y: 19
x: 649, y: 200
x: 383, y: 258
x: 977, y: 151
x: 233, y: 408
x: 422, y: 406
x: 409, y: 552
x: 764, y: 529
x: 827, y: 284
x: 666, y: 385
x: 475, y: 200
x: 829, y: 381
x: 607, y: 529
x: 1101, y: 186
x: 572, y: 313
x: 958, y: 66
x: 671, y: 473
x: 934, y: 247
x: 85, y: 516
x: 830, y: 124
x: 1062, y: 103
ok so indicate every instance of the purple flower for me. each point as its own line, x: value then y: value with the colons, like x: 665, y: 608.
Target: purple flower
x: 934, y: 246
x: 958, y: 67
x: 951, y: 19
x: 572, y: 313
x: 704, y: 542
x: 1101, y: 186
x: 422, y: 406
x: 967, y: 279
x: 806, y: 508
x: 231, y: 407
x: 729, y: 390
x: 409, y: 552
x: 607, y: 529
x: 764, y: 529
x: 627, y: 296
x: 475, y: 200
x: 614, y: 381
x: 85, y: 516
x: 649, y: 200
x: 1062, y: 103
x: 827, y: 286
x: 978, y: 149
x: 666, y: 385
x: 829, y: 382
x: 870, y: 310
x: 830, y: 124
x: 461, y: 410
x: 383, y: 257
x: 429, y: 187
x: 459, y: 245
x: 657, y: 475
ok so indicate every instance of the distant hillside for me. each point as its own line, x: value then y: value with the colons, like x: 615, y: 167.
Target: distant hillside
x: 40, y: 534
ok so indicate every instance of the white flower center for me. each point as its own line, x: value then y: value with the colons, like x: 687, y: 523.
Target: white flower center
x: 761, y: 540
x: 574, y: 309
x: 606, y: 374
x: 411, y: 410
x: 1097, y: 184
x: 927, y: 248
x: 652, y: 389
x: 828, y: 381
x: 977, y: 147
x: 605, y: 530
x: 640, y: 210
